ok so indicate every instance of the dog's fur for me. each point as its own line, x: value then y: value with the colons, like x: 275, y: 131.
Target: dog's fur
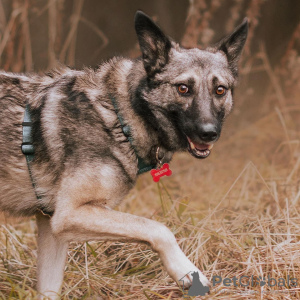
x: 84, y: 165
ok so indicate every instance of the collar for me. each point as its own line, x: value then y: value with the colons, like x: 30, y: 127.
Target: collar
x: 142, y: 165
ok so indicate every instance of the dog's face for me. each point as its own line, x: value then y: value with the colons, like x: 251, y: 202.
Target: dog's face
x: 192, y: 87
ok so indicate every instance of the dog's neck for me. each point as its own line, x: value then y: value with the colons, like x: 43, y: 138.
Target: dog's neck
x: 144, y: 126
x: 126, y: 129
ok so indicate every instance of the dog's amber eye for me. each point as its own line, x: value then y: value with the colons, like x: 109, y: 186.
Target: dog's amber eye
x: 183, y: 89
x: 220, y: 91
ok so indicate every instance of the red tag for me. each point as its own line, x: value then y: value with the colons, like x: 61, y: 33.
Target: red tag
x: 163, y: 171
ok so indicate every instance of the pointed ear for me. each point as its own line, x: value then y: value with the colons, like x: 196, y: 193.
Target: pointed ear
x: 154, y: 44
x: 233, y: 44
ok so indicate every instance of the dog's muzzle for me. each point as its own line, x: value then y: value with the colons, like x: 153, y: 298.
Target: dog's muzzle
x: 207, y: 134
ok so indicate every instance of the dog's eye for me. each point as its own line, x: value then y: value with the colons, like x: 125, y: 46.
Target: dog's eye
x: 182, y: 89
x: 221, y: 90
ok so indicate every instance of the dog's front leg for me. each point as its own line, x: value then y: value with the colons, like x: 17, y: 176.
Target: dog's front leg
x: 90, y: 222
x: 51, y: 259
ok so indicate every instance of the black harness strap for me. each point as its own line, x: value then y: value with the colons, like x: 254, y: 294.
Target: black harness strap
x: 28, y: 150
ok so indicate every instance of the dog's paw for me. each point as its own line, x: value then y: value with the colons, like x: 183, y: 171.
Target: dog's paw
x: 187, y: 279
x: 179, y: 267
x: 185, y: 282
x: 182, y: 270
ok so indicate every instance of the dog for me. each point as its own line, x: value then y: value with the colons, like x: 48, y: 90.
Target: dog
x: 88, y: 134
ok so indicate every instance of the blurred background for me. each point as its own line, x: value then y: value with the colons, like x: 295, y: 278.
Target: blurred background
x: 236, y: 205
x: 37, y: 35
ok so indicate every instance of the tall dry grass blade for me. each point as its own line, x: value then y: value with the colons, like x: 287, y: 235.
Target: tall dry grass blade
x: 18, y: 65
x: 262, y: 179
x: 195, y: 12
x: 14, y: 237
x: 231, y: 187
x: 273, y: 78
x: 291, y: 44
x: 253, y: 13
x: 27, y: 38
x: 235, y: 13
x: 294, y: 170
x: 3, y: 22
x: 97, y: 31
x: 247, y: 177
x: 52, y: 21
x: 283, y: 123
x: 86, y: 264
x: 6, y: 35
x: 9, y: 51
x: 70, y: 61
x: 296, y: 199
x: 74, y: 21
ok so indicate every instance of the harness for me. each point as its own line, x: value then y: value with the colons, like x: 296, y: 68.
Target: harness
x: 28, y: 148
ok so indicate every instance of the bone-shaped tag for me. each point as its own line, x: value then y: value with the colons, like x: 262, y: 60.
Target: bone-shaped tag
x: 163, y: 171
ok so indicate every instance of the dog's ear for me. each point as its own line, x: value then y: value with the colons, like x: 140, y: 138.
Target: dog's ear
x: 154, y: 44
x: 233, y: 44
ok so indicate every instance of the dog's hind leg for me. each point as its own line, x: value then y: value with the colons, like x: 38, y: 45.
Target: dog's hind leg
x: 52, y: 254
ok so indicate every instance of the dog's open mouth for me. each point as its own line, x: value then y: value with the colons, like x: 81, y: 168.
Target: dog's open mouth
x: 199, y: 150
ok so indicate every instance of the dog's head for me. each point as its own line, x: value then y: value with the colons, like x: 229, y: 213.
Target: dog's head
x: 192, y: 88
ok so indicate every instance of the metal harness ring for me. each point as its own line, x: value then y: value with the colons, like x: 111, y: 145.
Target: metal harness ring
x: 159, y: 161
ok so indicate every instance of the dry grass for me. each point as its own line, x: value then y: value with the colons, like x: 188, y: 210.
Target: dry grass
x: 235, y: 213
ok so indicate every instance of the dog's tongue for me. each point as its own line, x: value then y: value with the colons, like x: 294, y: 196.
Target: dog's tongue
x: 194, y: 145
x: 200, y: 146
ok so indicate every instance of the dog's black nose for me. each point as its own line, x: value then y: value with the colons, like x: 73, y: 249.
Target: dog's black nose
x: 208, y: 132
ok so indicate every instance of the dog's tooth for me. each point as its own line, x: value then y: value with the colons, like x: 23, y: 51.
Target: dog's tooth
x: 192, y: 145
x: 210, y: 146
